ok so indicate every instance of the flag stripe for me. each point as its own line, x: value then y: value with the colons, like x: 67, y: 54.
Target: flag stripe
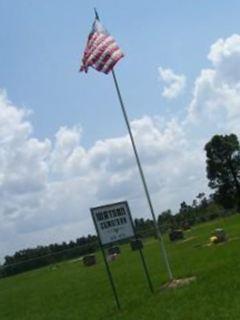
x: 105, y: 58
x: 106, y: 50
x: 102, y: 51
x: 97, y: 42
x: 99, y: 49
x: 114, y: 59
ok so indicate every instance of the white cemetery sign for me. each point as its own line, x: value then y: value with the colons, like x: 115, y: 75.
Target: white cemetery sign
x: 113, y: 222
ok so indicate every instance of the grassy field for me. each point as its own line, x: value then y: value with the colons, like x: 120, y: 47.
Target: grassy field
x: 71, y: 291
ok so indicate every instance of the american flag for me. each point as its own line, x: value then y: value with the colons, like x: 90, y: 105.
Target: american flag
x: 102, y: 51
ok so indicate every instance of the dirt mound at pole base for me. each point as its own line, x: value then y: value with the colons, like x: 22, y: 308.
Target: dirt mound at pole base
x: 178, y: 283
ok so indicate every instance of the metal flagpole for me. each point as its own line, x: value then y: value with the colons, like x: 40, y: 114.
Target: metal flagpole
x: 158, y: 232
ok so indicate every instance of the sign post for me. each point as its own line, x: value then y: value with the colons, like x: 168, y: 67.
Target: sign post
x: 110, y: 277
x: 142, y: 257
x: 113, y: 223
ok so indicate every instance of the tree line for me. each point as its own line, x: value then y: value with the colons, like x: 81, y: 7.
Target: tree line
x: 40, y: 256
x: 223, y: 173
x: 201, y: 210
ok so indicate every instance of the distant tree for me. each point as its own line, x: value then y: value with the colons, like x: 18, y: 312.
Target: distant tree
x: 144, y: 228
x: 187, y: 213
x: 165, y: 217
x: 223, y: 169
x: 166, y: 220
x: 194, y: 204
x: 184, y: 208
x: 200, y: 195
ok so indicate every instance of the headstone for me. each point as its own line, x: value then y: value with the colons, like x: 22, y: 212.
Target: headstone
x: 186, y: 226
x: 176, y: 234
x: 219, y: 235
x: 114, y: 250
x: 136, y: 244
x: 112, y: 257
x: 89, y: 260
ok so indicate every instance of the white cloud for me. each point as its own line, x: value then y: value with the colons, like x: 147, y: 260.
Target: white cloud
x: 47, y: 187
x: 22, y: 158
x: 216, y: 95
x: 174, y: 84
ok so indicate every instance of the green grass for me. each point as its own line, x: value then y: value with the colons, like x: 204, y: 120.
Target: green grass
x: 75, y: 292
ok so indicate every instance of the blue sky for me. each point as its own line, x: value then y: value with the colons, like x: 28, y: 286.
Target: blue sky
x: 180, y: 81
x: 42, y: 42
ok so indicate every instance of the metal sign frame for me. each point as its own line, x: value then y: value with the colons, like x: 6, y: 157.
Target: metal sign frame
x: 111, y: 280
x: 114, y: 222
